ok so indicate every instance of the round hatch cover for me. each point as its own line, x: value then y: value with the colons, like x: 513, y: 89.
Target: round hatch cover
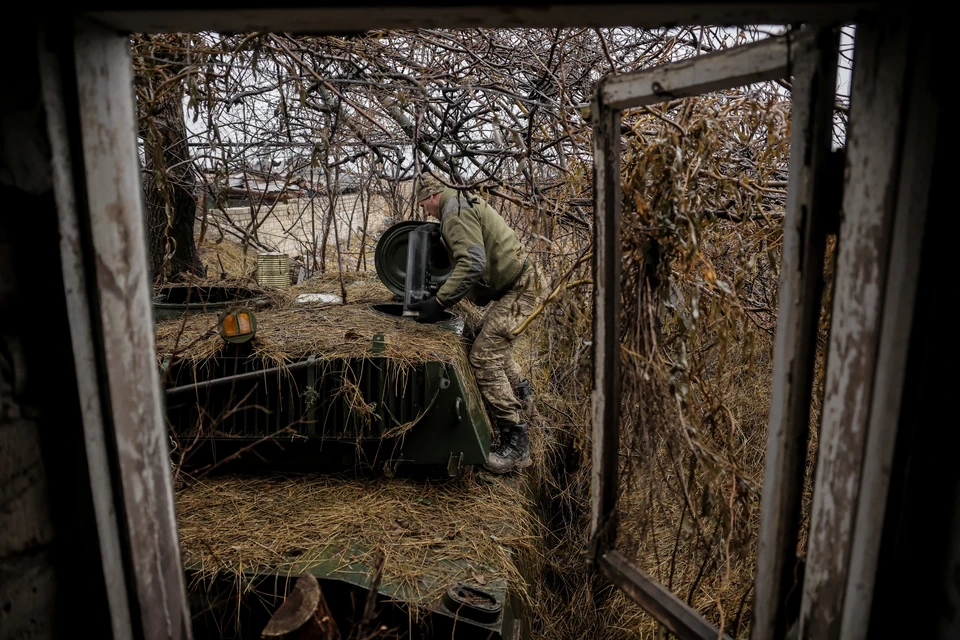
x: 390, y: 257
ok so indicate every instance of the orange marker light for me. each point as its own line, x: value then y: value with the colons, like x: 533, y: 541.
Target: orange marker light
x: 230, y: 325
x: 237, y: 324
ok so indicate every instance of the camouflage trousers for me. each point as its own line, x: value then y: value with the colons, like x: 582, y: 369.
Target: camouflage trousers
x: 491, y: 356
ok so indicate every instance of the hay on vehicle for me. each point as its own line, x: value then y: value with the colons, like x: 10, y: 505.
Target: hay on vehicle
x: 329, y: 333
x: 361, y: 286
x: 477, y: 531
x: 326, y: 331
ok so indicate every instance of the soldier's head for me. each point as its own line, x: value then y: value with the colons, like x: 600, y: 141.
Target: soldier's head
x: 427, y: 194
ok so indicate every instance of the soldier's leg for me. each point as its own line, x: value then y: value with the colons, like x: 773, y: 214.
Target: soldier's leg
x: 472, y: 330
x: 526, y: 296
x: 512, y: 369
x: 493, y: 362
x: 521, y: 386
x: 498, y: 374
x: 488, y: 358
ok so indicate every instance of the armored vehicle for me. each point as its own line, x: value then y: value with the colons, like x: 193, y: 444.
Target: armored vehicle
x: 346, y: 384
x: 309, y: 440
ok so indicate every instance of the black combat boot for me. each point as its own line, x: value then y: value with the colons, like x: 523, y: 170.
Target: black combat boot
x: 513, y: 451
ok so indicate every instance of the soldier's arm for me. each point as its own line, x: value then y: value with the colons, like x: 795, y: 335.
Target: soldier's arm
x: 463, y: 235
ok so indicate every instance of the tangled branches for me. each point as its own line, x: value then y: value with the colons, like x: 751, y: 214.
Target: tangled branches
x: 314, y: 120
x: 272, y: 118
x: 703, y: 206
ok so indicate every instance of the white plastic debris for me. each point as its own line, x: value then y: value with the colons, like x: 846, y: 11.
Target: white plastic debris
x: 318, y: 297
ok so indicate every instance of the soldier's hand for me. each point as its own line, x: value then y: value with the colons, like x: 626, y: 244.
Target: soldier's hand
x: 430, y: 310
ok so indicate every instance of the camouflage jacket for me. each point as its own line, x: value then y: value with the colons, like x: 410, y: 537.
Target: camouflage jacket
x: 485, y: 253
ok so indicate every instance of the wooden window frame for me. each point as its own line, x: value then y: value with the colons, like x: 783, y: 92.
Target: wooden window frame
x: 86, y: 77
x: 809, y: 56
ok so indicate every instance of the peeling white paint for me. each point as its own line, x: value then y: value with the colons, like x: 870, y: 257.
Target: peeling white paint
x: 861, y: 272
x: 104, y: 76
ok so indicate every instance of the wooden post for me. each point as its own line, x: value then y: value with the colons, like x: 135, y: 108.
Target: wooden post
x: 675, y: 614
x: 899, y: 305
x: 606, y: 323
x: 876, y: 169
x: 89, y: 100
x: 801, y: 286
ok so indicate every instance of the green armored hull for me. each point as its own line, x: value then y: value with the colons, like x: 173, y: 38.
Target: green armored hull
x: 323, y: 413
x: 325, y: 385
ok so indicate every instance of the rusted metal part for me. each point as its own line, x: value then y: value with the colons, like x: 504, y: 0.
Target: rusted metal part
x: 884, y: 63
x: 304, y: 615
x: 296, y: 610
x: 657, y: 600
x: 811, y: 206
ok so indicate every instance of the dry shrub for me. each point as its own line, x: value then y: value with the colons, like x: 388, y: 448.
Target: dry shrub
x: 703, y: 200
x: 238, y: 261
x: 701, y: 242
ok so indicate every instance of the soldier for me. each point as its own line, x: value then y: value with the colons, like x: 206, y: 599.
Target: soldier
x: 490, y: 269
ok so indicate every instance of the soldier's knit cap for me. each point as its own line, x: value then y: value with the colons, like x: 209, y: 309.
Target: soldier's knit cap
x: 426, y: 186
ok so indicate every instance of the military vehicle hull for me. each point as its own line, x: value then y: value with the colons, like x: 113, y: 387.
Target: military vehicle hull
x: 374, y: 409
x: 324, y: 413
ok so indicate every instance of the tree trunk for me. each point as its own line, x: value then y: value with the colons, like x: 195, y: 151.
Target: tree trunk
x: 169, y: 189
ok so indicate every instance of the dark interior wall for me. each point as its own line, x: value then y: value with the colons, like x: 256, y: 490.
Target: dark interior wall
x: 918, y: 579
x: 50, y: 571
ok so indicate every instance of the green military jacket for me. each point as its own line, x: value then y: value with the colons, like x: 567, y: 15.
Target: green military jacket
x: 486, y: 255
